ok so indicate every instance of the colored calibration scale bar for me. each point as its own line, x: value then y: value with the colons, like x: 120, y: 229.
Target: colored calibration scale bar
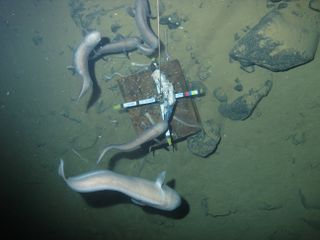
x: 155, y: 100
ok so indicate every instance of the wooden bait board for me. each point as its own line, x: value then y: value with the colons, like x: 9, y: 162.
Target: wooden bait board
x: 141, y: 86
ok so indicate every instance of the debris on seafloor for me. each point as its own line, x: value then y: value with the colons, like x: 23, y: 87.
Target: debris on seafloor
x: 242, y: 107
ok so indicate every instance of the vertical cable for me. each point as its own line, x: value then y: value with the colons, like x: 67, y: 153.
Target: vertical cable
x: 158, y: 21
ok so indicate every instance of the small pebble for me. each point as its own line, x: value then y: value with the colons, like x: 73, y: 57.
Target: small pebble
x: 220, y: 95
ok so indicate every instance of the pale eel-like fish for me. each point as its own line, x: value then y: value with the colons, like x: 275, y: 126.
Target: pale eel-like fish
x: 148, y: 135
x: 142, y: 14
x: 81, y: 59
x: 142, y: 192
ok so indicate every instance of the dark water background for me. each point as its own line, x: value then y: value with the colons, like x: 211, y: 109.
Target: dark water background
x: 261, y: 183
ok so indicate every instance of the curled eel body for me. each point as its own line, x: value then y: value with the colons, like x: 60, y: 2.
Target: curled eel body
x: 121, y: 46
x: 142, y: 15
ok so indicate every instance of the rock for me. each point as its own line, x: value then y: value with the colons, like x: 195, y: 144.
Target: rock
x: 280, y: 41
x: 115, y: 27
x: 282, y: 5
x: 220, y: 95
x: 242, y: 107
x: 314, y: 223
x: 315, y: 5
x: 283, y: 233
x: 270, y: 4
x: 238, y: 87
x: 37, y: 39
x: 204, y: 71
x: 298, y: 138
x: 217, y: 208
x: 269, y: 206
x: 202, y: 145
x: 205, y: 143
x: 310, y: 198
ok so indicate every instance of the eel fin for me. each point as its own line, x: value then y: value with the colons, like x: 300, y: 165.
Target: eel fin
x: 61, y: 169
x: 160, y: 179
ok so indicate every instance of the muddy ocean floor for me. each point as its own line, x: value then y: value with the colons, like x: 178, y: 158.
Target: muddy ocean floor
x: 262, y: 182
